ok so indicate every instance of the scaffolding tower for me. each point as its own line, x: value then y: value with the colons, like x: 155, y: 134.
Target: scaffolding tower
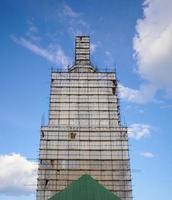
x: 84, y: 134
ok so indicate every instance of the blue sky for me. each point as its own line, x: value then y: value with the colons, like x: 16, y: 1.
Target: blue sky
x: 132, y: 36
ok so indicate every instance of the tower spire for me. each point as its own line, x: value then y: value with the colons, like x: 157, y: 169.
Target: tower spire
x: 82, y: 55
x: 82, y: 50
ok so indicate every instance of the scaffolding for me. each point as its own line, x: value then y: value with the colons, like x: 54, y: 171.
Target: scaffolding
x: 84, y: 134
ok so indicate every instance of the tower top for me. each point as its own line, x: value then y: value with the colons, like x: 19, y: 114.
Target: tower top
x: 82, y: 55
x: 82, y: 50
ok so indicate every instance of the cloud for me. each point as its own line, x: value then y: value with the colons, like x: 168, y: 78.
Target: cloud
x: 153, y: 43
x: 107, y: 53
x: 168, y: 106
x: 142, y: 95
x: 69, y: 12
x: 93, y: 47
x: 110, y: 59
x: 33, y: 31
x: 32, y: 27
x: 73, y: 21
x: 152, y: 46
x: 53, y: 54
x: 77, y: 27
x: 138, y: 131
x: 147, y: 154
x: 17, y: 175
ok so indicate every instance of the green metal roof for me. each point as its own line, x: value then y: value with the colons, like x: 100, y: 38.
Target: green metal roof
x: 85, y: 188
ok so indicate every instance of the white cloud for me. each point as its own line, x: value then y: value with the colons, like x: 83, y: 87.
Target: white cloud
x: 54, y: 54
x: 153, y: 43
x: 73, y: 21
x: 138, y: 131
x: 93, y: 47
x: 109, y: 60
x: 147, y: 154
x: 33, y: 31
x: 153, y: 46
x: 69, y: 12
x: 142, y: 95
x: 168, y: 106
x: 32, y: 27
x: 107, y: 53
x: 17, y: 175
x: 74, y: 31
